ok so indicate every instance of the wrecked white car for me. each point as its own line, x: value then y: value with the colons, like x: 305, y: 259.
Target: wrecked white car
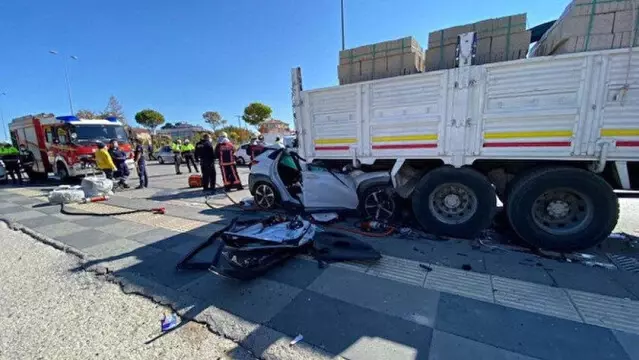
x: 281, y: 177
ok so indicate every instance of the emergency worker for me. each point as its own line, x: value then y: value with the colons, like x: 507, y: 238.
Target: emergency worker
x: 224, y: 151
x: 104, y: 162
x: 27, y: 159
x: 119, y: 159
x: 140, y: 164
x: 187, y: 152
x: 176, y: 148
x: 205, y: 154
x: 11, y: 157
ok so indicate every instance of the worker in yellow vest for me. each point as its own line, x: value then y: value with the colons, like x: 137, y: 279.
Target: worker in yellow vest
x: 176, y: 148
x: 188, y: 153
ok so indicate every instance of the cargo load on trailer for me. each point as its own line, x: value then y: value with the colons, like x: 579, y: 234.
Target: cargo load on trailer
x: 381, y: 60
x: 65, y: 145
x: 589, y: 25
x: 496, y: 40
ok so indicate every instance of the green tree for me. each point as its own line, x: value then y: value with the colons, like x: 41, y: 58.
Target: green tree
x: 114, y: 109
x: 236, y: 134
x: 86, y: 114
x: 149, y: 118
x: 256, y: 113
x: 168, y: 126
x: 214, y: 119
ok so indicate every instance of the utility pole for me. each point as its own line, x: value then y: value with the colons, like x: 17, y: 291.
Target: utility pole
x: 66, y: 78
x: 342, y: 12
x: 4, y: 126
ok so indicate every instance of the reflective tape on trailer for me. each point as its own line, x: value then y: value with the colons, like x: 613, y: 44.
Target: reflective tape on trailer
x: 404, y: 142
x: 515, y: 135
x: 334, y: 144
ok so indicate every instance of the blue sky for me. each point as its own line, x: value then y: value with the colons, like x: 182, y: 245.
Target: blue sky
x: 186, y: 57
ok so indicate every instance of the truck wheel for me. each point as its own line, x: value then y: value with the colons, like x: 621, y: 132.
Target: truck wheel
x: 61, y: 171
x: 454, y: 202
x: 562, y: 209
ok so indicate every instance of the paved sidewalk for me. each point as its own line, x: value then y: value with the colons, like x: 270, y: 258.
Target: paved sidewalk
x: 49, y: 311
x: 509, y: 306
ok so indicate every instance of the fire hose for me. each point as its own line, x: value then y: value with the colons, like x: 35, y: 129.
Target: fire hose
x: 64, y: 211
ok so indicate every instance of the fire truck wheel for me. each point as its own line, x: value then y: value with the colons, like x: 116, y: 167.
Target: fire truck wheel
x: 562, y: 209
x: 454, y: 202
x: 61, y: 171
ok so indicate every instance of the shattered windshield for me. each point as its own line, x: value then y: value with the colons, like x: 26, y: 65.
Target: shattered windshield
x: 102, y: 133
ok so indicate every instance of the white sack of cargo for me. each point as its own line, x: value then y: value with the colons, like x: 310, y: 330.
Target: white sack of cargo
x: 95, y: 186
x: 65, y: 194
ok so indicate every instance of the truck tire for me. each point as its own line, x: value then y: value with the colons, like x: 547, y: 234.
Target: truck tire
x: 562, y: 209
x: 454, y: 202
x: 61, y: 171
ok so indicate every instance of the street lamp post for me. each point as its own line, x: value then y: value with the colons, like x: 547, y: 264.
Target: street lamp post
x: 4, y: 126
x: 342, y: 12
x: 66, y: 77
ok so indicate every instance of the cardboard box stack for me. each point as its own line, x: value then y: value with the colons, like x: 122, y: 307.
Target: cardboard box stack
x: 588, y: 25
x: 381, y: 60
x: 498, y: 40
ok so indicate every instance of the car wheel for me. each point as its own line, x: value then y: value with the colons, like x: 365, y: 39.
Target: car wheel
x: 160, y: 160
x: 378, y: 202
x: 454, y: 202
x: 265, y: 196
x: 562, y: 209
x: 240, y: 161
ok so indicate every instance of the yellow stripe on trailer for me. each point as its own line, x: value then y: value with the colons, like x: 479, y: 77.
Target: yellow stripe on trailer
x: 335, y: 141
x: 619, y: 132
x: 528, y: 134
x: 425, y: 137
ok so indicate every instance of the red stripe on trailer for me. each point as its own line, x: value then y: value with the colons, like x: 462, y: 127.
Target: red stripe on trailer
x: 529, y: 144
x: 404, y: 146
x: 628, y: 143
x: 331, y: 148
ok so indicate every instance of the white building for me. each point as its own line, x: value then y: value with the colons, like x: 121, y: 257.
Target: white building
x: 181, y: 131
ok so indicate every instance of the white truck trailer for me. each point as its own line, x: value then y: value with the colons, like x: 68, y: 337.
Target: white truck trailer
x: 550, y: 136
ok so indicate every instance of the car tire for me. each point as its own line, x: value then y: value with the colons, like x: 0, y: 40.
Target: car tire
x: 378, y: 202
x: 454, y: 202
x: 240, y: 161
x: 160, y: 160
x: 265, y: 195
x: 562, y: 209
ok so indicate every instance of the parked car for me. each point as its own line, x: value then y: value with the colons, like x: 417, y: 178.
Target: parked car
x: 242, y: 156
x: 3, y: 173
x: 165, y: 155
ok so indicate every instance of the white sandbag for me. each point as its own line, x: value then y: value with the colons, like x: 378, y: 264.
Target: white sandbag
x: 66, y: 194
x: 95, y: 186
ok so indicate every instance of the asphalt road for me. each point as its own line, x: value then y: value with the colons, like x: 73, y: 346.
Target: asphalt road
x: 50, y: 311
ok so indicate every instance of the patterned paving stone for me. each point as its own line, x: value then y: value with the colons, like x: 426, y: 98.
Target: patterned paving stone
x: 258, y: 300
x: 39, y: 221
x: 447, y: 346
x: 60, y: 228
x: 352, y: 331
x: 84, y: 239
x: 524, y: 332
x: 411, y: 303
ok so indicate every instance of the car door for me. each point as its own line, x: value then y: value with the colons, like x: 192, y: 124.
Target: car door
x: 328, y: 190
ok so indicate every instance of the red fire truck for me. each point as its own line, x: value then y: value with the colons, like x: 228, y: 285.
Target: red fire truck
x: 65, y: 145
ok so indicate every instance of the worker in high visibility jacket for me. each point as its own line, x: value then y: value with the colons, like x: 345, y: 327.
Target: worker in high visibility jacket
x: 104, y: 162
x: 176, y: 148
x: 188, y: 153
x: 11, y: 157
x: 226, y: 157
